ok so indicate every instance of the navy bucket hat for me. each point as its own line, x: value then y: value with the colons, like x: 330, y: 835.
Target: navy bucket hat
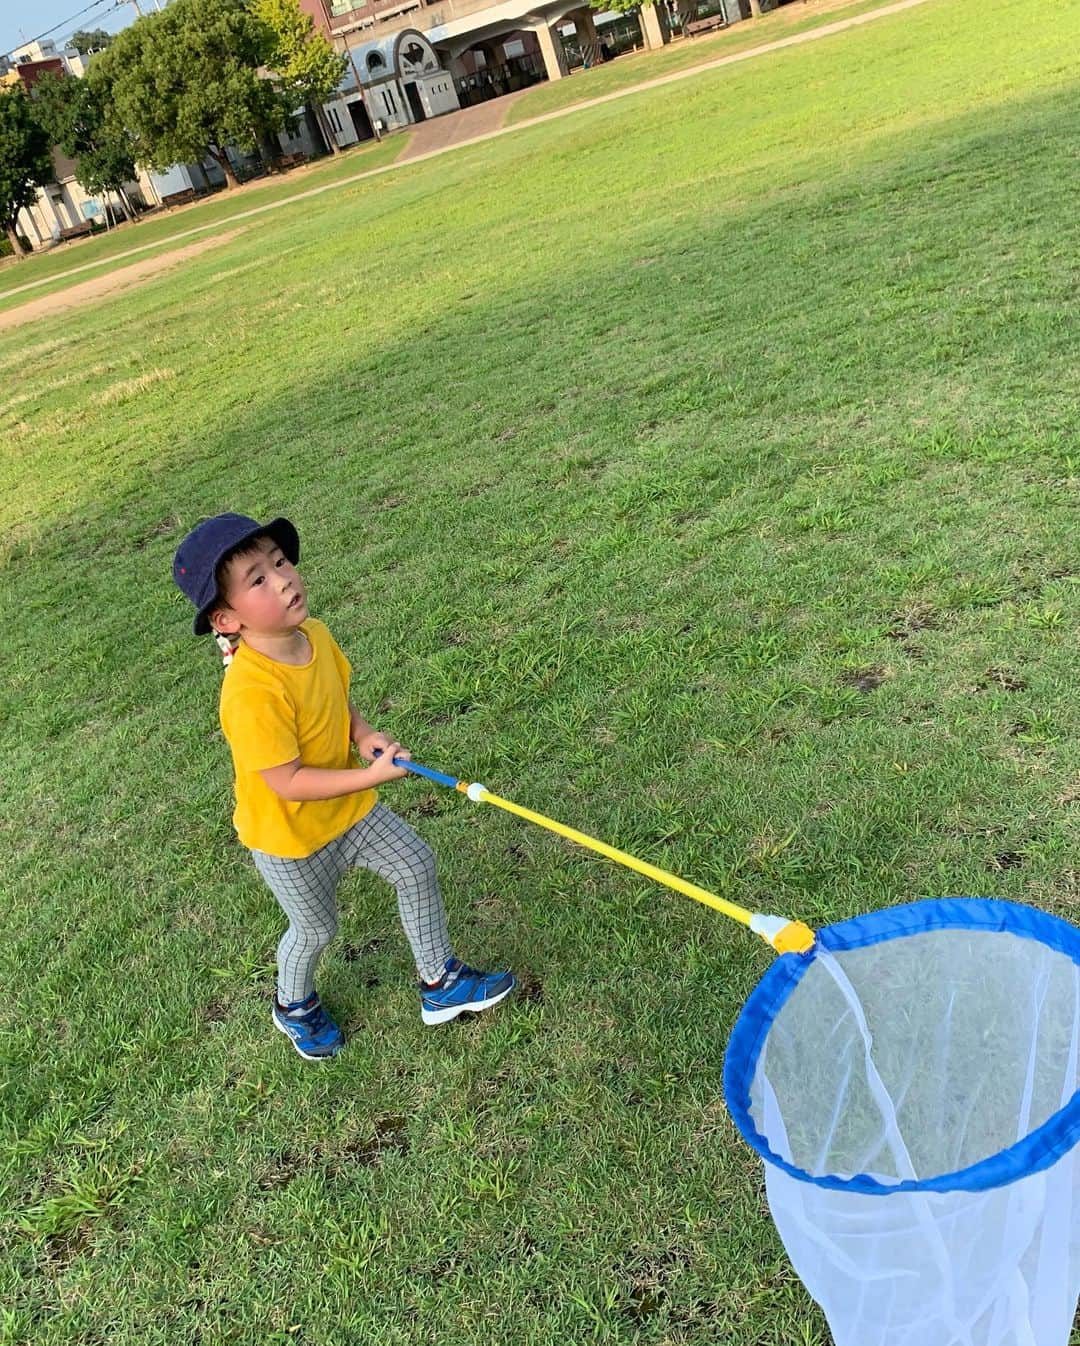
x: 205, y: 547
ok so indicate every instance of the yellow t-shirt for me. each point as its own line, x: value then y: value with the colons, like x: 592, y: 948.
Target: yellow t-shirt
x: 272, y: 713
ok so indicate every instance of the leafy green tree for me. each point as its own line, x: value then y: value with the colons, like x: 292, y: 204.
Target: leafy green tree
x: 25, y: 160
x: 184, y: 83
x: 306, y: 65
x: 617, y: 6
x: 75, y: 117
x: 87, y: 40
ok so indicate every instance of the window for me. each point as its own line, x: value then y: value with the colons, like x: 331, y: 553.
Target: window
x: 388, y: 100
x: 375, y: 61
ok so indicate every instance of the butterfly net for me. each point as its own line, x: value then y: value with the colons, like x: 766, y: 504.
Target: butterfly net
x: 912, y: 1085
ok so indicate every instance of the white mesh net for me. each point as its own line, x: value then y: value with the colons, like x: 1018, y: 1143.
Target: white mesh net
x: 910, y: 1060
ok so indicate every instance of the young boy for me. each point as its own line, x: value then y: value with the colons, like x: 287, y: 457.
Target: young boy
x: 305, y: 811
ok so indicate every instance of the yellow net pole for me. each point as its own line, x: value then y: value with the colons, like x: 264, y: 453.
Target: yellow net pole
x: 783, y: 935
x: 669, y: 880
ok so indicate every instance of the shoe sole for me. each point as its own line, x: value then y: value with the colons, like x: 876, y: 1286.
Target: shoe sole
x: 442, y: 1016
x: 308, y: 1056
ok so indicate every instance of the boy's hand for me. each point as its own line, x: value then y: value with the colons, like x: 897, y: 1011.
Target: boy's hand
x: 383, y: 768
x: 370, y: 743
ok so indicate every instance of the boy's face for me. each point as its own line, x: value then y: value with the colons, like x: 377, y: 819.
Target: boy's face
x: 262, y: 592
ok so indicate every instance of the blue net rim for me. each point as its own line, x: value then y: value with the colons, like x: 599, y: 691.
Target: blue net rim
x: 1037, y: 1151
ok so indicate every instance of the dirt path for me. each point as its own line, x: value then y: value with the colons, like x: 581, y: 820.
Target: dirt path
x: 460, y: 130
x: 123, y: 279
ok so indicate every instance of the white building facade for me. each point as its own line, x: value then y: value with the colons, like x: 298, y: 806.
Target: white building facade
x: 389, y: 83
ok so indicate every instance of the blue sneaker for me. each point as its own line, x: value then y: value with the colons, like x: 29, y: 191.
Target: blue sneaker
x: 309, y: 1028
x: 463, y: 988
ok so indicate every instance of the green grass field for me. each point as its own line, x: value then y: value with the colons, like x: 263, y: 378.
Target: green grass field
x: 636, y: 67
x: 49, y: 271
x: 700, y: 469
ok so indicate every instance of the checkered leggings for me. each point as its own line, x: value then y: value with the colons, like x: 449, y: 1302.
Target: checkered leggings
x: 307, y: 892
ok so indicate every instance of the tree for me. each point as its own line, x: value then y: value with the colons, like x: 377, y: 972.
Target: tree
x: 75, y: 117
x: 90, y: 40
x: 307, y: 66
x: 184, y: 83
x: 618, y: 6
x: 25, y: 160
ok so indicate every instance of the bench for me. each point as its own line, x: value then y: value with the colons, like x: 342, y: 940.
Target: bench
x: 696, y: 26
x: 180, y: 198
x: 81, y: 230
x: 288, y: 161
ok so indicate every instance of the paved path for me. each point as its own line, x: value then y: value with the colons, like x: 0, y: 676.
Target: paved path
x: 471, y: 123
x: 472, y: 137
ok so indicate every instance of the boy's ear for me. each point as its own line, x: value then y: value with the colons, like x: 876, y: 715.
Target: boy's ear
x: 225, y: 621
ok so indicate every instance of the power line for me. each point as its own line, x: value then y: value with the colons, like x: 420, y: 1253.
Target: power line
x: 117, y: 4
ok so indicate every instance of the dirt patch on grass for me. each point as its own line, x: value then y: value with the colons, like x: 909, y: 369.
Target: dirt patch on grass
x: 530, y: 988
x: 389, y: 1136
x: 865, y: 679
x: 87, y: 291
x: 1006, y: 860
x: 1002, y: 678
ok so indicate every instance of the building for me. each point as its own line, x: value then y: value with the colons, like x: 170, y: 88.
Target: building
x: 470, y: 38
x: 389, y: 82
x: 492, y: 47
x: 43, y: 51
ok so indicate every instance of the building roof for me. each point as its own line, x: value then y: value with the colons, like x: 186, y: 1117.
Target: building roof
x: 400, y: 55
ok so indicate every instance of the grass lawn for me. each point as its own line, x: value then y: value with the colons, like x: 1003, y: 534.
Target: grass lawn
x: 220, y: 208
x: 635, y: 67
x: 48, y: 272
x: 713, y: 493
